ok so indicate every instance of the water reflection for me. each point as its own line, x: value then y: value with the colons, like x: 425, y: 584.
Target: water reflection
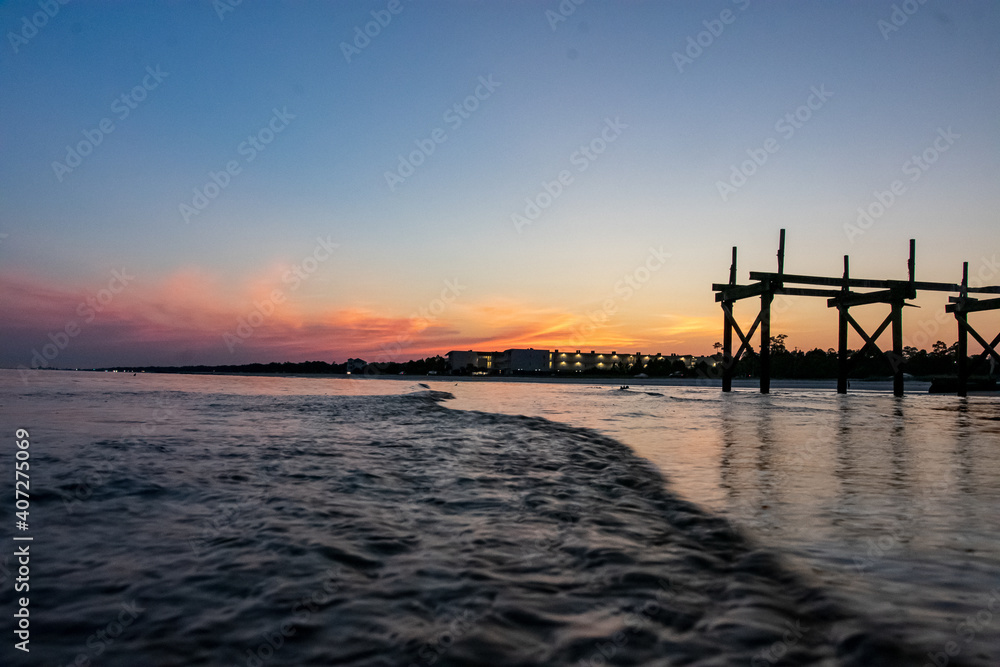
x: 900, y: 477
x: 894, y: 499
x: 965, y: 468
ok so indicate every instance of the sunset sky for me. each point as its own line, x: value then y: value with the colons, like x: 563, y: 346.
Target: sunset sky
x: 202, y: 183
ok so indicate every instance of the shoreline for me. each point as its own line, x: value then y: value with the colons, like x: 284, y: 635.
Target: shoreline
x: 878, y: 384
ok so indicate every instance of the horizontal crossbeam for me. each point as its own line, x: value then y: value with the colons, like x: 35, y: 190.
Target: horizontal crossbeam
x: 737, y: 292
x: 856, y: 299
x: 868, y: 284
x: 805, y: 291
x: 897, y: 293
x: 743, y: 293
x: 961, y: 305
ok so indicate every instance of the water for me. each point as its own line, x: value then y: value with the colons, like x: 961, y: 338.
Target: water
x: 200, y: 520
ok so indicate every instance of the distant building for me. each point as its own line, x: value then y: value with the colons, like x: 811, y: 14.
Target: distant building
x: 710, y: 361
x: 509, y: 362
x: 459, y: 360
x: 584, y: 361
x: 688, y: 359
x: 513, y: 361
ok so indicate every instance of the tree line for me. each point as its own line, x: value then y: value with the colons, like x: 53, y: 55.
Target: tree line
x: 940, y: 360
x: 430, y: 365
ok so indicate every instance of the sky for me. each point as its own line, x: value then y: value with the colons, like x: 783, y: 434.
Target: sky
x: 218, y: 183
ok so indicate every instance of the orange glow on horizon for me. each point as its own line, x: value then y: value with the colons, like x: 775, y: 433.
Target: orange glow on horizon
x: 192, y: 310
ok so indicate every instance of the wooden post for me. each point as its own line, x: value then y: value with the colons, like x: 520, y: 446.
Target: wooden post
x: 765, y: 320
x: 897, y: 323
x: 765, y: 341
x: 963, y: 354
x: 842, y: 337
x: 911, y: 265
x: 781, y: 252
x: 728, y: 367
x: 963, y: 336
x: 897, y: 346
x: 727, y: 351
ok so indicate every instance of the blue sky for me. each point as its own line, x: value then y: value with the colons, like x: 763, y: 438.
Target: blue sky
x: 557, y: 85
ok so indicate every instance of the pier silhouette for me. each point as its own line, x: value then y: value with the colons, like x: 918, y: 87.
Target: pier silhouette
x: 897, y: 294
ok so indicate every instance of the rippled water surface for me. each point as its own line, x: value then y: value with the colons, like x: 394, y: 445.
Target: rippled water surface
x: 201, y: 520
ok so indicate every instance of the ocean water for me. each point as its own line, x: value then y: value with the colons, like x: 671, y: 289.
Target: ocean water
x: 204, y: 520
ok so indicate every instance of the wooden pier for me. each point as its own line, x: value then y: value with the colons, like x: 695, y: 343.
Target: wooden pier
x: 841, y: 293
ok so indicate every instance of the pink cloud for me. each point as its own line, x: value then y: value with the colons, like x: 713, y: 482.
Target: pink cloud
x: 192, y: 316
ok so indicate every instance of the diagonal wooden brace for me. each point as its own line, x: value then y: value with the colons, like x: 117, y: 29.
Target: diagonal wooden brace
x: 745, y: 340
x: 989, y: 349
x: 869, y: 341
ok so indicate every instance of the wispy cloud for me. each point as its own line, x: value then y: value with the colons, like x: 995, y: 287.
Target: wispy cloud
x: 181, y: 317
